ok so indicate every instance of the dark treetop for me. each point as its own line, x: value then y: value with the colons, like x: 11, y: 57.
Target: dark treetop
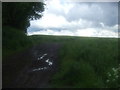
x: 18, y: 14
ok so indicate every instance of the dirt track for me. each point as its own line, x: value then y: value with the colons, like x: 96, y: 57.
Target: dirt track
x: 32, y: 68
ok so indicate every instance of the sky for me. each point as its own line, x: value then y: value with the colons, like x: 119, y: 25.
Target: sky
x: 89, y: 19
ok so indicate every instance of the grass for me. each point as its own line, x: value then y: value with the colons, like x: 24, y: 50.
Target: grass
x: 85, y: 62
x: 88, y: 60
x: 13, y: 41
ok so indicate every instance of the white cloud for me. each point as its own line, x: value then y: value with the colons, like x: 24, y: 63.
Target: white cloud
x: 54, y: 21
x: 58, y: 7
x: 86, y: 32
x: 89, y: 32
x: 49, y: 20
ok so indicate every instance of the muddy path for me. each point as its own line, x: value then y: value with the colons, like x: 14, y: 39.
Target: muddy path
x: 32, y: 68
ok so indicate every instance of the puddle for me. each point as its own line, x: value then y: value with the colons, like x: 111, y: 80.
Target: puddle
x: 49, y: 62
x: 38, y: 69
x: 39, y: 58
x: 46, y: 63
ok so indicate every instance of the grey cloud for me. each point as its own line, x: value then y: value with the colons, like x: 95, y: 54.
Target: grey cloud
x: 34, y: 29
x: 104, y: 12
x: 97, y: 12
x: 54, y: 11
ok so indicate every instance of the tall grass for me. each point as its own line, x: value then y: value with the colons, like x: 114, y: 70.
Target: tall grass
x: 84, y: 61
x: 13, y: 40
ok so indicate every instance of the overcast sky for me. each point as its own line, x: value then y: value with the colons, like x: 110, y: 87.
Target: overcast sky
x: 93, y: 19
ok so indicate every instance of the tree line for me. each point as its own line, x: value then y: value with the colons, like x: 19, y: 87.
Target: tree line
x: 19, y: 14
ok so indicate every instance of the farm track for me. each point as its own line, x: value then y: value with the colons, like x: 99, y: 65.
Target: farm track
x: 32, y: 68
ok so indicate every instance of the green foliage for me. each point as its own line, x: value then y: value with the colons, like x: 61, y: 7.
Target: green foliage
x: 14, y: 40
x: 77, y: 74
x: 113, y: 77
x: 18, y: 14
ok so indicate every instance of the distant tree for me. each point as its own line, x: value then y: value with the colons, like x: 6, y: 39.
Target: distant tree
x: 19, y: 14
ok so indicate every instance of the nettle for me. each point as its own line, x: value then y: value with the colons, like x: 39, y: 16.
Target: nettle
x: 113, y: 77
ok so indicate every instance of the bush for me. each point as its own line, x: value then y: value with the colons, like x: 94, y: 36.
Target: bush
x: 13, y: 40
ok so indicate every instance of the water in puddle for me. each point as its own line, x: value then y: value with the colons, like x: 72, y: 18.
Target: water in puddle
x: 47, y: 60
x: 39, y: 58
x: 38, y: 69
x: 49, y: 63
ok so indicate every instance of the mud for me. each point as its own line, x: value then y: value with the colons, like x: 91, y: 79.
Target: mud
x: 32, y: 68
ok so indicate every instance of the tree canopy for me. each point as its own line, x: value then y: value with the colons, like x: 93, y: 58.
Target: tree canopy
x: 19, y: 14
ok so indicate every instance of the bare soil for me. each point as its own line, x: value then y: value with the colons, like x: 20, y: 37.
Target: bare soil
x: 32, y: 68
